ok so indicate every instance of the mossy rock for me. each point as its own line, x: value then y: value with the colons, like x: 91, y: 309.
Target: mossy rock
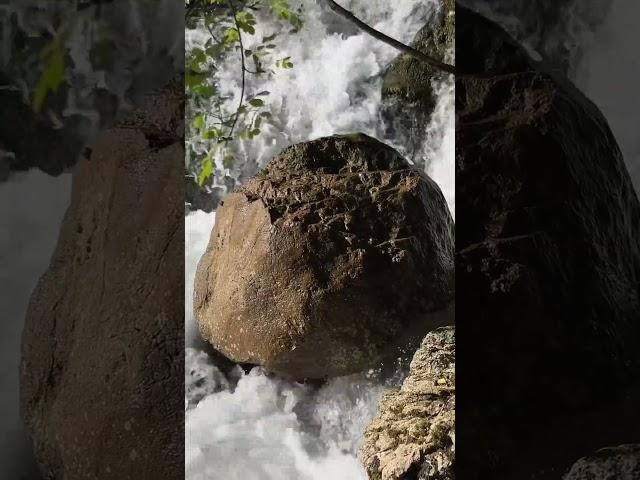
x: 410, y: 79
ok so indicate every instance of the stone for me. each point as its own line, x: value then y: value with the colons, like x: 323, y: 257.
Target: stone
x: 547, y: 253
x: 408, y: 84
x: 411, y: 79
x: 620, y: 463
x: 103, y: 346
x: 413, y: 433
x: 335, y: 257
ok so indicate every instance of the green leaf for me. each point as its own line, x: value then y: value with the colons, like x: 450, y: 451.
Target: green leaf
x: 256, y: 102
x: 193, y: 79
x: 207, y: 170
x: 211, y: 134
x: 230, y: 36
x: 284, y: 63
x: 52, y: 74
x: 205, y: 91
x: 198, y: 122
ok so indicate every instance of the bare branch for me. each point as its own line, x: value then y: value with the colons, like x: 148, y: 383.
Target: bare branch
x: 445, y: 67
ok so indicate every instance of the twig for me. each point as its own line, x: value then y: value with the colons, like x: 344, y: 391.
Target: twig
x: 390, y: 41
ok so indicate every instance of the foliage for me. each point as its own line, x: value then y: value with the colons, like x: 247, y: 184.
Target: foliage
x: 212, y: 124
x: 52, y: 75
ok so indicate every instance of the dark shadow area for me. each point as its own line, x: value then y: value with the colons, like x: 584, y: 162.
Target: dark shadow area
x: 91, y: 239
x: 548, y: 254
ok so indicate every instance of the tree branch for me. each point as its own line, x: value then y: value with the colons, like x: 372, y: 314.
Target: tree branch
x: 445, y: 67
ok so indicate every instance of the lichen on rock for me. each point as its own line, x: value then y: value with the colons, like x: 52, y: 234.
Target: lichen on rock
x: 413, y: 434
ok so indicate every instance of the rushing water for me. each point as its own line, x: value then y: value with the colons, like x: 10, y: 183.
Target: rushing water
x: 256, y: 425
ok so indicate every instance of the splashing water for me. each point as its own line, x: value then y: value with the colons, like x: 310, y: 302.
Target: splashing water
x: 256, y: 425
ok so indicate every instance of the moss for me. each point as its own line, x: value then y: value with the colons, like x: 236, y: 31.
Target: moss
x: 374, y: 475
x: 410, y: 79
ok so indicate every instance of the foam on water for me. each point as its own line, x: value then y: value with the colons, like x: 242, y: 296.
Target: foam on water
x: 259, y: 426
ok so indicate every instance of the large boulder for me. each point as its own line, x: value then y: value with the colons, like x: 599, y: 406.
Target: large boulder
x: 547, y: 254
x: 413, y: 433
x: 332, y: 258
x: 619, y: 463
x: 103, y: 345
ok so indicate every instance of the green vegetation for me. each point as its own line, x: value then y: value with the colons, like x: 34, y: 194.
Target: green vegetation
x: 211, y: 122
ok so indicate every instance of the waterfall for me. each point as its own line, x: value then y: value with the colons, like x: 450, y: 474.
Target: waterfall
x: 256, y: 425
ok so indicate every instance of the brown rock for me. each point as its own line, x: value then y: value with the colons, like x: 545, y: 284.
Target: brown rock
x: 331, y: 259
x: 413, y: 434
x: 101, y: 375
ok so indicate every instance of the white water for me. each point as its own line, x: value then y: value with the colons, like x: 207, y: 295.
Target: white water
x: 257, y: 426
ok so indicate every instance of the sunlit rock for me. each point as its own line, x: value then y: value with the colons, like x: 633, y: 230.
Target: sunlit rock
x: 413, y: 434
x: 336, y: 256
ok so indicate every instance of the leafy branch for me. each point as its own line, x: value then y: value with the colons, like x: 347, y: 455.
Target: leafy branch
x: 215, y: 130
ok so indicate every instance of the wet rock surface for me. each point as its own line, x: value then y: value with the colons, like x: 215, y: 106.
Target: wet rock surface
x: 408, y: 88
x: 335, y: 256
x: 413, y: 434
x: 103, y: 345
x: 547, y: 254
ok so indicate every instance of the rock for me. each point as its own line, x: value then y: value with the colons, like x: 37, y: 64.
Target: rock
x: 547, y: 253
x: 556, y: 31
x: 620, y: 463
x: 410, y: 79
x: 103, y: 345
x: 408, y: 84
x: 332, y: 258
x: 413, y: 434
